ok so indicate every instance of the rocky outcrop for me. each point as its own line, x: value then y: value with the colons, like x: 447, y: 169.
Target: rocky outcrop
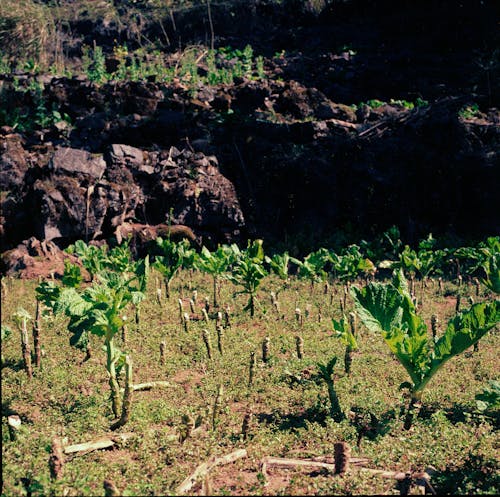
x: 73, y: 194
x: 13, y: 163
x: 34, y: 258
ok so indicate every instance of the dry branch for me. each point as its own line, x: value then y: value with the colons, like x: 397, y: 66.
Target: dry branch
x: 99, y: 443
x: 140, y: 387
x: 421, y: 478
x: 203, y: 469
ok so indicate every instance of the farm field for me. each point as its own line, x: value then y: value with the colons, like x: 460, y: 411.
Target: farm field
x: 249, y: 247
x: 199, y: 414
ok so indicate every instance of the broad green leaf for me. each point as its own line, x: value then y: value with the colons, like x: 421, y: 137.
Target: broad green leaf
x: 492, y: 269
x: 343, y: 332
x: 72, y: 276
x: 48, y: 292
x: 378, y: 306
x: 489, y: 398
x: 465, y: 329
x: 71, y: 303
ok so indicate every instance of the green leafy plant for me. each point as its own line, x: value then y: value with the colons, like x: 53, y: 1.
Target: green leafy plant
x: 469, y: 111
x: 343, y: 331
x: 326, y: 373
x: 92, y: 258
x: 171, y: 261
x: 492, y: 269
x: 280, y: 265
x: 6, y: 333
x: 99, y: 310
x: 489, y: 399
x: 313, y: 266
x: 94, y: 64
x: 248, y: 272
x: 388, y: 309
x: 216, y: 264
x: 352, y: 264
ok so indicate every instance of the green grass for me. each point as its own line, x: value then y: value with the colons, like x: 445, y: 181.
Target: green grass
x: 69, y: 399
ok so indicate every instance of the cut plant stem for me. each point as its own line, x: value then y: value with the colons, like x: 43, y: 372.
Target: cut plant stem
x: 181, y: 311
x: 205, y: 315
x: 206, y: 341
x: 251, y: 371
x: 110, y: 489
x: 478, y: 286
x: 220, y: 339
x: 37, y: 330
x: 348, y: 349
x: 26, y: 349
x: 299, y: 345
x: 163, y: 348
x: 127, y: 396
x: 298, y: 316
x: 227, y: 320
x: 217, y: 405
x: 434, y: 325
x: 342, y: 457
x: 56, y: 460
x: 266, y: 349
x: 245, y: 427
x: 188, y: 425
x: 413, y: 409
x: 111, y: 358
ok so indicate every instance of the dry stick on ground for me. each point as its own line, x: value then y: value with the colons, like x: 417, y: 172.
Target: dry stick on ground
x: 203, y: 469
x: 99, y: 443
x: 37, y: 330
x: 141, y: 387
x: 421, y: 478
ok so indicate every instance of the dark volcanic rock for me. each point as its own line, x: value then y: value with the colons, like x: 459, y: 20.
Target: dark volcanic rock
x: 13, y: 163
x: 77, y: 162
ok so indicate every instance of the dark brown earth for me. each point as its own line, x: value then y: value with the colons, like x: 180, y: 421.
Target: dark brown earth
x: 292, y: 162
